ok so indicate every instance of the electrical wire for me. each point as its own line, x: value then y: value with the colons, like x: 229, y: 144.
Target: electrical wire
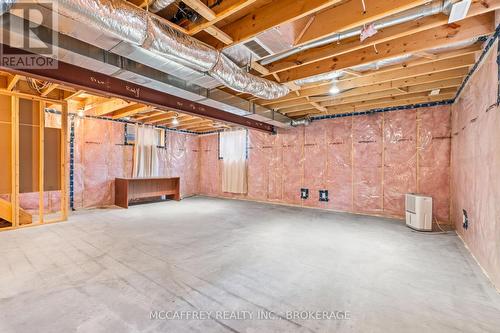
x: 442, y: 232
x: 38, y: 86
x: 439, y: 226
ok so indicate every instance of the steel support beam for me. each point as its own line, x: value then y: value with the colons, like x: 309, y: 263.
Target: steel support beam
x: 85, y: 79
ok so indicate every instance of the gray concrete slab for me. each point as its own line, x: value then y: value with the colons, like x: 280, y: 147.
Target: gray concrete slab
x: 106, y: 270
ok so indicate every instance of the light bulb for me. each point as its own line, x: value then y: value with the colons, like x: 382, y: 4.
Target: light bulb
x: 81, y: 113
x: 175, y: 121
x: 334, y: 90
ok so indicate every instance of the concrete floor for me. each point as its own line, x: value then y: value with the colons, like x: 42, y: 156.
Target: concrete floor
x: 106, y: 270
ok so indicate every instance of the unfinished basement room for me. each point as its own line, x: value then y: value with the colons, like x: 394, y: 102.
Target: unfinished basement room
x: 250, y: 166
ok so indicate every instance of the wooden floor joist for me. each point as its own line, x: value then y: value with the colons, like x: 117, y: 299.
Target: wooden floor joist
x: 301, y: 22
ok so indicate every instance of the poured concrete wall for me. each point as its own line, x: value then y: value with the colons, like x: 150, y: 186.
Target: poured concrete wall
x: 367, y: 163
x: 476, y: 166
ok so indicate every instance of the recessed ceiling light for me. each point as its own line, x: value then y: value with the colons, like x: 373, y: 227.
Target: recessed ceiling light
x: 435, y: 92
x: 334, y: 90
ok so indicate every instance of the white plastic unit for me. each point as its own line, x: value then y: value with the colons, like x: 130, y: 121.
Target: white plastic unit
x: 419, y: 212
x: 459, y: 11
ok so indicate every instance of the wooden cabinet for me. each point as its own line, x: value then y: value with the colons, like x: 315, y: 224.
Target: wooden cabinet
x: 127, y: 189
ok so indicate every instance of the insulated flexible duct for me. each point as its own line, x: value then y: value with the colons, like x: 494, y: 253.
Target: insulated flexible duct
x: 157, y: 5
x: 136, y: 26
x: 5, y: 6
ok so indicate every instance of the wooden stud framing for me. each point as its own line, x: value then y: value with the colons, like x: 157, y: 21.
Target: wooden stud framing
x: 15, y: 160
x: 41, y: 161
x: 64, y: 165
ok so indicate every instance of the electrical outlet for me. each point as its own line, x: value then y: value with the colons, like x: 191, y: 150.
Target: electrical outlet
x: 323, y: 195
x: 465, y: 219
x: 304, y: 193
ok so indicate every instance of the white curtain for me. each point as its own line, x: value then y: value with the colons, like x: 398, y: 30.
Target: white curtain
x: 233, y: 150
x: 145, y: 153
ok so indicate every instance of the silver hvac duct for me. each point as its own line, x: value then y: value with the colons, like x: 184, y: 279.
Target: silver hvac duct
x: 157, y: 5
x: 152, y: 33
x: 5, y: 6
x: 300, y: 122
x: 416, y: 13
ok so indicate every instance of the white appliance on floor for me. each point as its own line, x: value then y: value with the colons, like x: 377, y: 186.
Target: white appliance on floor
x: 419, y: 212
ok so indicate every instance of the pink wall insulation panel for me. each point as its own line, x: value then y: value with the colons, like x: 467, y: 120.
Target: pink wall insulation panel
x: 345, y: 156
x: 315, y: 168
x: 258, y: 173
x: 101, y: 156
x: 339, y: 163
x: 475, y: 166
x: 367, y: 169
x: 209, y: 165
x: 98, y: 160
x: 30, y: 202
x: 293, y: 165
x: 275, y: 174
x: 181, y: 159
x: 400, y: 159
x: 434, y: 145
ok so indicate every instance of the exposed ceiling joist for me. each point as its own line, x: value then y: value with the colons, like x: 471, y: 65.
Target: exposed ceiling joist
x: 107, y: 107
x: 71, y: 95
x: 234, y: 7
x: 404, y: 75
x: 130, y: 110
x: 275, y: 13
x: 380, y: 90
x: 383, y: 103
x: 159, y: 118
x: 201, y: 8
x: 351, y: 15
x: 438, y: 37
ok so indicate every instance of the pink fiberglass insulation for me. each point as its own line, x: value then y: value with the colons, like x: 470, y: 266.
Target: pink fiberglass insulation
x: 476, y: 166
x: 30, y: 202
x: 344, y: 156
x: 293, y: 164
x: 209, y: 165
x: 367, y: 169
x: 400, y: 159
x: 275, y: 174
x: 339, y: 159
x: 182, y: 161
x: 434, y: 149
x: 258, y: 169
x: 97, y: 162
x: 315, y: 163
x: 100, y: 156
x: 314, y: 173
x: 191, y: 174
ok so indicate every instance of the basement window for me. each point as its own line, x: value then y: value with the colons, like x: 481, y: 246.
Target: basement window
x: 161, y: 136
x: 225, y: 141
